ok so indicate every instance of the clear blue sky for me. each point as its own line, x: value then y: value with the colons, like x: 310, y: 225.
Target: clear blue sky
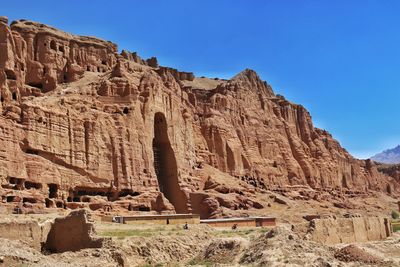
x: 340, y: 59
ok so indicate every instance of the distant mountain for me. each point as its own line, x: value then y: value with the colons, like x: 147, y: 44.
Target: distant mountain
x: 390, y: 156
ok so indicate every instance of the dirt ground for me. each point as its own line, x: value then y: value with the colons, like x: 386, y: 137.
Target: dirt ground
x: 202, y: 245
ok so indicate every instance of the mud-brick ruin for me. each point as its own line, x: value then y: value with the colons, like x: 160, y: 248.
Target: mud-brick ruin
x: 82, y: 125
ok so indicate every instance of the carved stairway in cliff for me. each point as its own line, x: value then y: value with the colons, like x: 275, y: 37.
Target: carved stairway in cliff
x: 157, y: 159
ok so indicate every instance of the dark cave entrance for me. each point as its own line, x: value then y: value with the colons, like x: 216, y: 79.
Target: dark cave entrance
x: 165, y: 165
x: 53, y: 188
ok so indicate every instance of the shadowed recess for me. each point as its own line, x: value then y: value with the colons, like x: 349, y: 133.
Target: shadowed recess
x: 165, y: 165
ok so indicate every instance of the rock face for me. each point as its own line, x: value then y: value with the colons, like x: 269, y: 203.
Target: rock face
x: 84, y: 126
x: 393, y: 170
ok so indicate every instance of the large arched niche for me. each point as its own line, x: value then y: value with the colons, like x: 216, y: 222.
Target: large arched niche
x: 165, y: 165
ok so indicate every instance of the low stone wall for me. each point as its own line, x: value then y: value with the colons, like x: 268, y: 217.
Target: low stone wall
x: 331, y: 231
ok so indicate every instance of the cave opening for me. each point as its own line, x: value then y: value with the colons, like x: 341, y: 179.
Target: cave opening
x: 33, y: 185
x: 53, y: 188
x: 128, y: 192
x: 165, y: 165
x: 10, y: 75
x: 36, y: 85
x: 29, y: 200
x: 16, y: 183
x: 49, y: 203
x: 53, y: 45
x: 144, y: 208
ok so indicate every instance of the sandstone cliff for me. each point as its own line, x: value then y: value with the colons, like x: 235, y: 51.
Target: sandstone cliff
x: 82, y: 125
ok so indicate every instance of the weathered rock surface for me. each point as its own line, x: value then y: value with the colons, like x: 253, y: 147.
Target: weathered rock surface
x: 331, y: 231
x: 84, y: 126
x: 352, y: 253
x: 72, y: 233
x: 29, y: 232
x: 392, y: 170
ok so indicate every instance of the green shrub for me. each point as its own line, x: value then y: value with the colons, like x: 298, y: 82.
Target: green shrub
x: 395, y: 215
x: 200, y: 262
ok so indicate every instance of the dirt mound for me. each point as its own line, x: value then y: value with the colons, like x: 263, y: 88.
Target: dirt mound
x: 279, y: 245
x: 353, y: 253
x: 170, y: 245
x: 16, y: 253
x: 224, y: 250
x: 203, y: 246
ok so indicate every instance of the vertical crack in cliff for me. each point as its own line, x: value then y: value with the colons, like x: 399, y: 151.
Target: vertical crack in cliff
x: 87, y: 140
x: 114, y: 161
x: 302, y: 163
x: 165, y: 165
x: 123, y: 161
x: 69, y: 136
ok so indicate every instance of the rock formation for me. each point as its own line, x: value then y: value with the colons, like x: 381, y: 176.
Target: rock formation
x: 84, y: 126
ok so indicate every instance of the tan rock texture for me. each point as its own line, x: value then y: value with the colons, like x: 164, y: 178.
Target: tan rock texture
x: 29, y: 232
x: 331, y: 231
x: 72, y: 233
x: 352, y: 253
x: 84, y: 126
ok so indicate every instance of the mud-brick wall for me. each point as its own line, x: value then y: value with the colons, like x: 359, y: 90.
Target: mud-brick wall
x: 29, y: 232
x: 348, y: 230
